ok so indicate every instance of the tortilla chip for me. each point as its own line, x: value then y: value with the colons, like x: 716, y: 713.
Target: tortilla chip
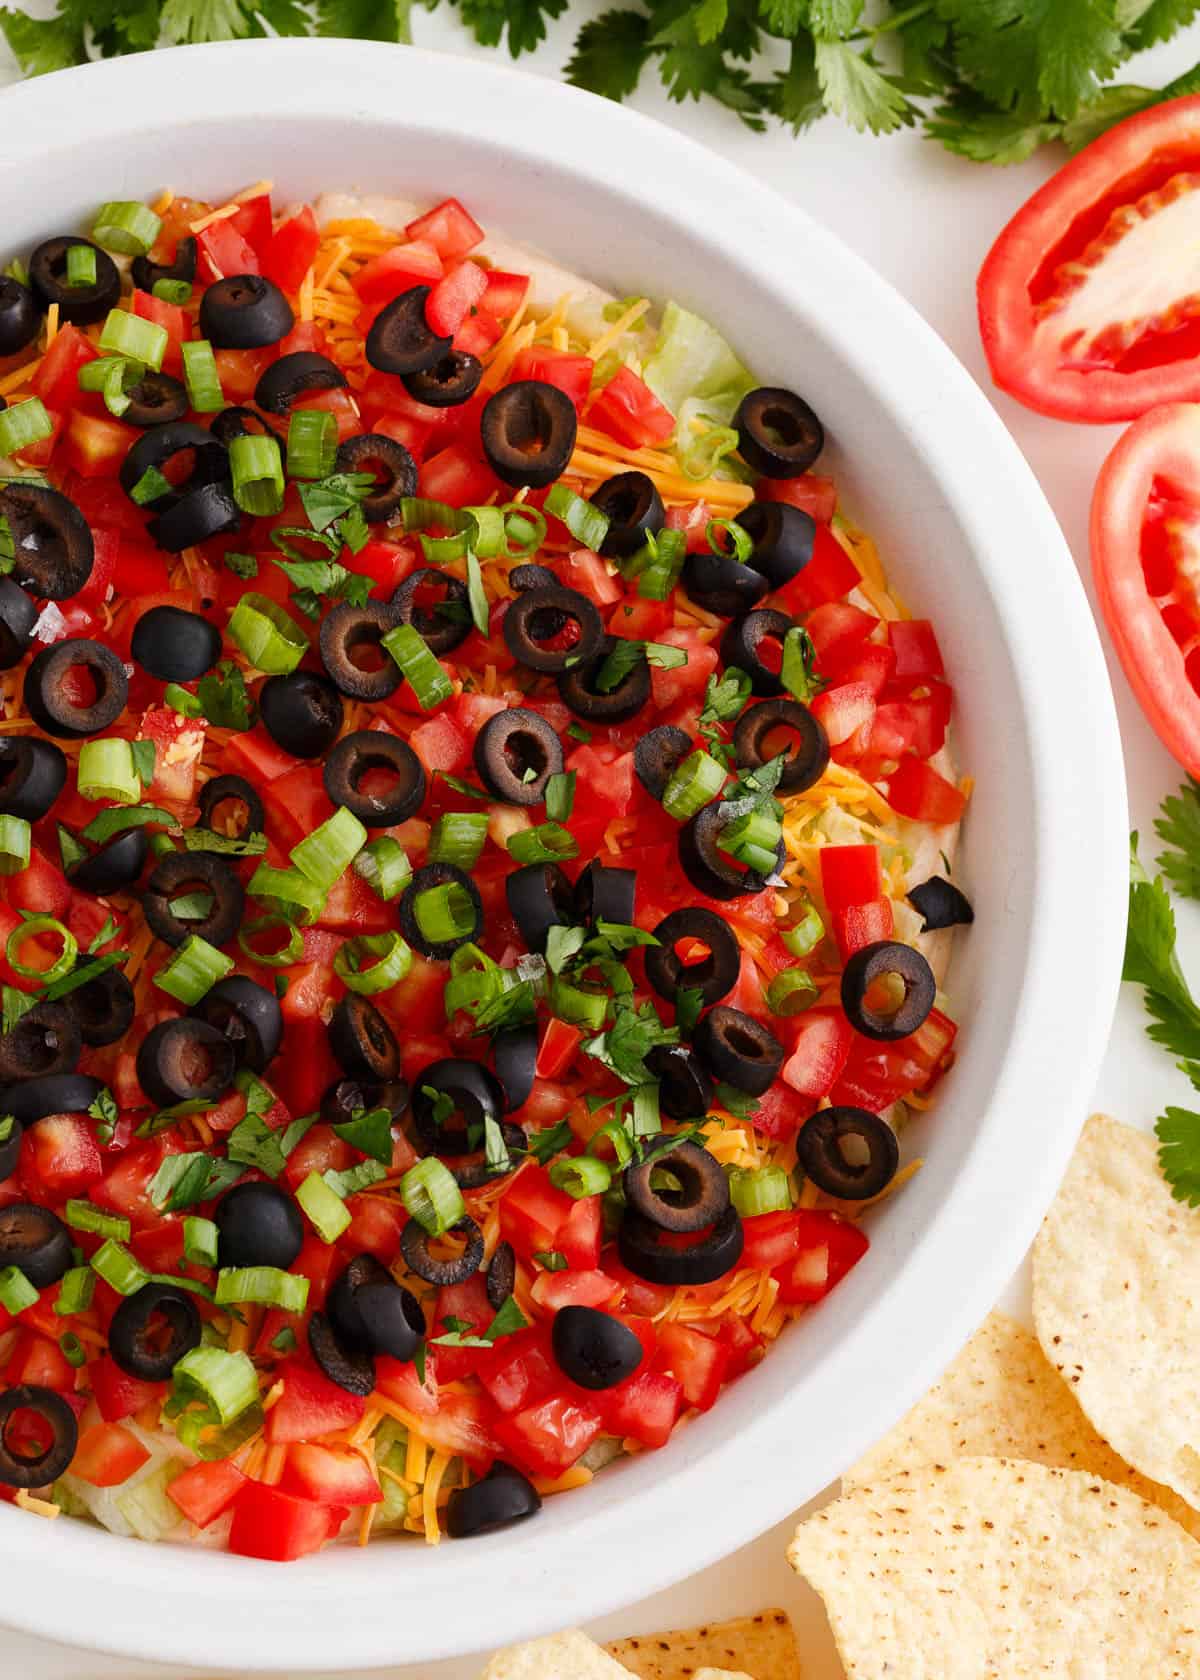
x: 1116, y: 1302
x: 564, y: 1656
x: 762, y: 1646
x: 1002, y: 1398
x: 990, y: 1569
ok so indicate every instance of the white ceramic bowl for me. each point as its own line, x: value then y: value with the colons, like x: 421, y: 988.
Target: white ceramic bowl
x: 927, y: 466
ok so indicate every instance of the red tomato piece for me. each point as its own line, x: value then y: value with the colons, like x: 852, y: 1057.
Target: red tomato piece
x: 587, y: 572
x: 271, y: 1524
x: 554, y: 1290
x: 204, y: 1491
x: 917, y: 791
x: 829, y: 1247
x: 699, y: 1362
x: 770, y: 1239
x: 173, y: 319
x: 850, y: 875
x: 41, y: 887
x: 57, y: 378
x: 871, y: 664
x: 116, y: 1393
x: 399, y: 1382
x: 39, y: 1362
x: 449, y: 228
x: 532, y: 1211
x: 645, y: 1406
x: 520, y: 1370
x: 454, y: 476
x: 222, y: 250
x: 398, y: 270
x: 829, y: 576
x: 329, y: 1477
x: 505, y: 293
x: 310, y: 1404
x: 456, y: 294
x: 292, y: 247
x: 570, y: 373
x: 915, y: 644
x: 819, y: 1051
x: 559, y: 1043
x: 838, y: 631
x: 810, y: 492
x: 108, y: 1455
x: 95, y: 446
x: 63, y: 1153
x: 844, y: 711
x: 859, y: 925
x: 547, y: 1438
x: 627, y: 409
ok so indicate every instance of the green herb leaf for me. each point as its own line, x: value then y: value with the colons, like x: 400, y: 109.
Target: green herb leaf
x: 242, y: 565
x: 370, y: 1132
x: 549, y: 1142
x: 550, y: 1260
x: 225, y: 699
x: 326, y: 499
x: 143, y: 760
x: 255, y: 1144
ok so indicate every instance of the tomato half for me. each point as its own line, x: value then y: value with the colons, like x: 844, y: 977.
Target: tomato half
x: 1062, y: 328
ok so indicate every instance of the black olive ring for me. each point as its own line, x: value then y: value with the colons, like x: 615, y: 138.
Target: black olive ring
x: 129, y: 1338
x: 347, y: 1097
x: 32, y: 775
x: 529, y: 623
x: 657, y: 754
x: 414, y: 1246
x: 373, y: 452
x: 528, y: 432
x: 81, y: 305
x: 710, y: 870
x: 301, y: 712
x: 59, y: 1093
x: 516, y: 753
x: 156, y: 400
x: 400, y: 339
x: 876, y: 962
x: 20, y: 317
x: 823, y: 1159
x: 52, y: 541
x: 515, y: 1051
x: 245, y: 312
x: 778, y: 433
x: 104, y: 1008
x: 47, y: 692
x: 721, y: 584
x: 346, y: 630
x: 160, y: 444
x: 438, y: 875
x: 442, y: 627
x: 195, y: 517
x: 738, y: 1050
x: 362, y: 1042
x: 18, y: 615
x: 370, y: 750
x: 451, y: 380
x: 185, y: 1060
x: 502, y: 1497
x: 35, y: 1241
x: 741, y: 643
x: 248, y: 1015
x: 806, y: 765
x: 713, y: 975
x: 182, y: 266
x: 175, y: 645
x: 115, y: 865
x: 351, y: 1368
x: 539, y: 897
x: 783, y: 538
x: 685, y: 1089
x: 577, y: 690
x: 44, y: 1042
x: 231, y: 790
x: 178, y: 873
x: 501, y: 1275
x: 294, y: 375
x: 701, y: 1199
x: 22, y: 1470
x: 715, y: 1255
x: 634, y: 509
x: 473, y: 1174
x: 476, y: 1094
x: 605, y: 894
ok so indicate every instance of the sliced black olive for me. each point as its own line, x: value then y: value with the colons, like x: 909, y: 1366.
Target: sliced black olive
x: 18, y: 615
x: 104, y: 1008
x: 346, y: 1098
x: 738, y: 1050
x: 635, y: 511
x: 352, y: 1369
x: 530, y: 575
x: 702, y: 1195
x: 58, y: 1093
x: 352, y: 650
x: 476, y: 1096
x: 446, y: 623
x: 302, y: 713
x: 714, y: 974
x: 515, y: 1051
x: 439, y: 875
x: 339, y: 1306
x: 536, y: 617
x: 80, y: 305
x: 156, y: 399
x: 685, y: 1091
x: 175, y: 645
x: 46, y: 1040
x: 159, y: 445
x: 528, y: 432
x: 258, y: 1225
x: 721, y: 584
x: 361, y: 1040
x: 710, y: 870
x: 36, y: 1242
x: 503, y: 1497
x: 136, y: 1338
x: 145, y: 274
x: 370, y: 757
x: 657, y: 754
x: 245, y: 815
x: 195, y: 517
x: 887, y: 959
x: 806, y: 741
x: 185, y: 874
x: 243, y: 422
x: 53, y: 551
x: 501, y: 1275
x: 594, y: 1349
x: 24, y: 1462
x: 414, y: 1245
x: 741, y: 643
x: 783, y: 539
x: 941, y: 904
x: 447, y: 382
x: 11, y: 1132
x: 822, y: 1154
x: 32, y: 775
x: 578, y: 691
x: 49, y: 688
x: 605, y: 895
x: 244, y: 312
x: 401, y: 340
x: 115, y: 865
x: 20, y: 316
x: 248, y: 1015
x: 642, y: 1252
x: 516, y: 753
x: 778, y: 433
x: 184, y: 1060
x: 392, y: 1318
x: 539, y: 897
x: 394, y: 469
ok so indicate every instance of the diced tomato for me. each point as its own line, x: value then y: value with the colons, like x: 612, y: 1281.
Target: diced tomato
x: 550, y: 1436
x: 877, y: 1075
x: 829, y: 576
x: 204, y: 1491
x: 819, y: 1052
x: 532, y: 1211
x: 63, y: 1153
x: 329, y: 1477
x: 455, y: 295
x: 699, y: 1362
x: 39, y: 1362
x: 859, y: 925
x: 271, y: 1524
x: 641, y: 1297
x: 915, y: 644
x: 441, y: 745
x: 829, y: 1247
x: 850, y: 875
x: 291, y: 250
x: 571, y: 374
x: 310, y: 1404
x: 223, y: 251
x: 843, y: 711
x: 627, y: 409
x: 255, y: 756
x: 57, y: 378
x: 587, y: 572
x: 140, y: 570
x: 398, y: 1381
x: 240, y: 371
x: 319, y: 1150
x: 554, y: 1290
x: 125, y: 1188
x: 449, y: 228
x: 810, y: 492
x: 770, y: 1239
x: 745, y: 1345
x: 578, y: 1238
x: 644, y: 1406
x: 838, y: 631
x: 116, y: 1393
x: 95, y: 446
x: 870, y: 664
x: 394, y: 271
x: 108, y: 1455
x: 520, y: 1370
x: 171, y: 317
x: 505, y: 293
x: 916, y: 790
x: 683, y: 682
x: 559, y: 1043
x: 296, y: 803
x: 454, y: 476
x: 41, y: 886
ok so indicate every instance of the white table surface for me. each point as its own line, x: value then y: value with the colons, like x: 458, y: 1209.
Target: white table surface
x: 924, y: 219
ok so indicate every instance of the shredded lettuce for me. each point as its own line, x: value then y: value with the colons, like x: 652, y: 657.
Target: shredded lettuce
x: 691, y: 360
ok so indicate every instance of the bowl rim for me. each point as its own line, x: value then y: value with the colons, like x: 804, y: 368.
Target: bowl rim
x: 135, y: 1600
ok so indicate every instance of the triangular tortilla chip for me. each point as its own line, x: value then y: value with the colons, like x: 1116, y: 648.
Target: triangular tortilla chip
x: 563, y: 1656
x: 762, y: 1646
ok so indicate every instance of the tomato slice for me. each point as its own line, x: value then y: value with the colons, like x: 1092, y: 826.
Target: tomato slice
x: 1063, y: 329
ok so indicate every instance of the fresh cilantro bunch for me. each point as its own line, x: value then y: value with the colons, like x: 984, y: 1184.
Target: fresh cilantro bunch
x: 991, y: 79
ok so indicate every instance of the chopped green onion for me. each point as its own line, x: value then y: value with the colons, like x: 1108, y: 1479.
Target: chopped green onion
x: 692, y: 784
x: 285, y: 1340
x: 587, y: 524
x: 129, y: 335
x: 75, y: 1291
x: 116, y: 819
x: 806, y: 935
x: 297, y: 1132
x: 707, y: 452
x: 580, y: 1175
x: 257, y: 474
x: 354, y: 1179
x: 199, y: 1241
x: 227, y: 1381
x: 797, y: 671
x: 476, y: 594
x: 458, y: 837
x: 393, y: 959
x: 267, y: 1286
x: 524, y: 529
x: 69, y: 849
x: 418, y: 513
x: 182, y: 701
x: 740, y: 544
x: 549, y: 842
x: 489, y: 532
x: 126, y: 226
x: 81, y: 266
x: 201, y: 377
x: 192, y: 970
x: 618, y: 1136
x: 169, y: 290
x: 560, y: 795
x: 72, y: 1349
x: 370, y: 1133
x: 268, y: 637
x: 16, y: 1291
x: 756, y: 832
x: 287, y: 892
x: 24, y: 423
x: 384, y: 866
x: 83, y: 1216
x: 37, y: 927
x: 431, y: 1196
x: 107, y: 771
x: 149, y: 487
x: 15, y: 839
x: 444, y: 913
x: 791, y: 991
x: 325, y: 854
x: 646, y: 1119
x: 761, y: 1190
x: 571, y: 1003
x: 327, y: 1212
x: 311, y: 443
x: 118, y: 1268
x: 426, y: 677
x: 289, y: 953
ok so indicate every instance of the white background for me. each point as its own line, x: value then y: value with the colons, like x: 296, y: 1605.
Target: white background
x: 925, y: 220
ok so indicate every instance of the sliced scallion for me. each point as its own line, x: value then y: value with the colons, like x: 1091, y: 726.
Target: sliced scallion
x: 41, y: 927
x: 418, y: 514
x: 288, y: 893
x: 81, y: 266
x: 560, y: 796
x: 181, y: 700
x: 15, y: 843
x: 586, y: 523
x: 458, y: 837
x: 75, y: 1291
x: 84, y: 1216
x: 726, y: 536
x: 288, y: 953
x: 125, y: 226
x: 791, y: 991
x: 267, y: 1286
x: 327, y: 1212
x: 373, y: 962
x: 549, y: 842
x: 227, y: 1381
x: 118, y: 1268
x: 580, y: 1175
x: 311, y: 443
x: 168, y: 290
x: 129, y: 335
x: 384, y: 866
x: 325, y: 854
x: 107, y: 771
x: 444, y: 913
x: 268, y: 636
x: 16, y: 1291
x: 201, y: 377
x: 192, y: 970
x: 692, y: 784
x: 199, y: 1241
x: 426, y: 677
x: 149, y: 487
x: 22, y: 424
x: 759, y: 1190
x: 572, y: 1003
x: 72, y: 1350
x: 257, y: 474
x: 432, y: 1197
x: 618, y: 1136
x: 806, y: 935
x: 115, y: 820
x: 646, y: 1119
